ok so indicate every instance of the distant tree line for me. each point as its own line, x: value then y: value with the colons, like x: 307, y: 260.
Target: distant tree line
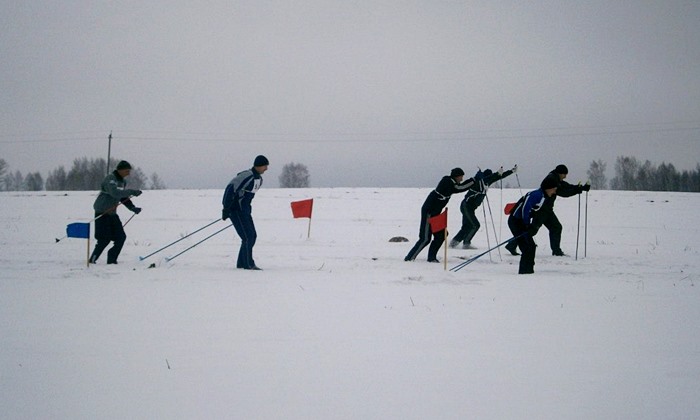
x: 85, y: 175
x: 633, y: 175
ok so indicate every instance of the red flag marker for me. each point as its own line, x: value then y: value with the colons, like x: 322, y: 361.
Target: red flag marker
x: 302, y: 208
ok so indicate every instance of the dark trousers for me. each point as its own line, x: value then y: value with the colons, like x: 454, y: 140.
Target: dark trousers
x: 424, y: 237
x: 470, y: 225
x: 526, y: 243
x: 549, y: 220
x: 108, y: 228
x: 243, y: 223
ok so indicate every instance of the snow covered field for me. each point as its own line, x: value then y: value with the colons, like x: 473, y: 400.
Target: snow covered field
x: 338, y: 326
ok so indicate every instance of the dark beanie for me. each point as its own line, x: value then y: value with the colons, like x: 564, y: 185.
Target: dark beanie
x: 261, y: 160
x: 550, y: 181
x: 561, y: 169
x: 123, y: 165
x: 456, y: 172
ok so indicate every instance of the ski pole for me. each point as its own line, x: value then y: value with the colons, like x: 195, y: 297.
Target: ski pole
x: 486, y: 224
x: 494, y: 227
x: 474, y: 258
x: 127, y: 222
x: 578, y: 225
x: 168, y: 259
x: 500, y: 218
x: 519, y: 187
x: 585, y: 229
x: 173, y: 243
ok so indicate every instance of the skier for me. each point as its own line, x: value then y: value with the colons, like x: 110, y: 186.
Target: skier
x: 433, y: 205
x: 238, y: 195
x: 521, y: 223
x: 472, y: 200
x: 108, y: 226
x: 547, y: 217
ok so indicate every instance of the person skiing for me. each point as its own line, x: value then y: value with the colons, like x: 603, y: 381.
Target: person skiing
x: 472, y: 200
x: 521, y: 223
x: 238, y: 196
x: 108, y: 226
x: 436, y: 200
x: 546, y: 215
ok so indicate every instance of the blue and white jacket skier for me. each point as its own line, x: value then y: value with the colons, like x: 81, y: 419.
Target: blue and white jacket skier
x: 528, y: 204
x: 239, y: 193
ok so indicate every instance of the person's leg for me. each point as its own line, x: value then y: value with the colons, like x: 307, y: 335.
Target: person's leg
x: 251, y: 237
x: 515, y: 229
x: 118, y: 236
x: 438, y: 239
x: 103, y: 237
x: 237, y: 222
x: 464, y: 230
x: 474, y: 227
x: 555, y: 229
x: 243, y: 223
x: 423, y: 237
x: 527, y: 259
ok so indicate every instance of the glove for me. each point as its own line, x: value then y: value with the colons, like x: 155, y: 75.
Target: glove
x: 136, y: 210
x: 500, y: 171
x: 225, y: 214
x: 586, y: 187
x: 515, y: 169
x: 136, y: 193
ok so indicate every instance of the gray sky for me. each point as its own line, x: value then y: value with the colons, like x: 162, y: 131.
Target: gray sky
x: 365, y: 93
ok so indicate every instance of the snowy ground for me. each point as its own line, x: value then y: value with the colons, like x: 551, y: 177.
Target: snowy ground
x: 338, y: 326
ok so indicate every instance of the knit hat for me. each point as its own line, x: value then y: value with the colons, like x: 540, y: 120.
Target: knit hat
x: 549, y: 182
x: 561, y: 169
x: 261, y: 160
x: 488, y: 172
x: 456, y: 172
x: 123, y: 165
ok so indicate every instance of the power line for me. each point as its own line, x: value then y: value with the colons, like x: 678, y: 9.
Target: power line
x: 445, y: 136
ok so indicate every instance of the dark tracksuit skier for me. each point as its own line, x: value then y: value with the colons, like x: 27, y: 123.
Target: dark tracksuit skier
x: 433, y: 205
x: 521, y: 223
x: 546, y: 215
x: 108, y: 226
x: 237, y: 205
x: 471, y: 201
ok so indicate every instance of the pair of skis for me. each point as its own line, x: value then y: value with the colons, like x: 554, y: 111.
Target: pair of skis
x: 168, y: 259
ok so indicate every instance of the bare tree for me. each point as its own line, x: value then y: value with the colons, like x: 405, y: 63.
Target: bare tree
x: 3, y: 170
x: 57, y: 179
x: 294, y: 175
x: 626, y: 169
x: 596, y: 174
x: 14, y: 181
x: 33, y: 182
x: 156, y: 182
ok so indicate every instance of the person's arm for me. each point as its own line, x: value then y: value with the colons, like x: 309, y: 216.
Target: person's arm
x: 568, y: 190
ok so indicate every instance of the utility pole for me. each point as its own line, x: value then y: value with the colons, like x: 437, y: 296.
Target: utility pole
x: 109, y: 151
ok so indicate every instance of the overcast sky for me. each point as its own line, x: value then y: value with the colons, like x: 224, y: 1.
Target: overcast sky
x: 365, y: 93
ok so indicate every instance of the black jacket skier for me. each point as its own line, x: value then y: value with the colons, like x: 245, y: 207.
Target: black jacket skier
x: 108, y: 226
x: 472, y: 200
x: 432, y: 206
